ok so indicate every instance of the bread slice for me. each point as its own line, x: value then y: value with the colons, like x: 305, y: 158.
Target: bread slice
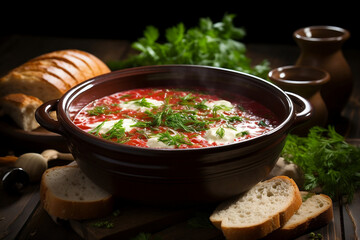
x: 67, y: 193
x: 264, y: 208
x: 21, y: 108
x: 316, y: 211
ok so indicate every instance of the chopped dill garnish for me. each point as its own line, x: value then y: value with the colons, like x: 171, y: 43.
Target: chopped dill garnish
x: 142, y: 102
x: 117, y: 131
x: 242, y: 134
x: 103, y: 224
x: 220, y: 132
x: 177, y: 139
x: 187, y: 100
x: 98, y: 110
x: 96, y: 130
x: 262, y: 123
x: 220, y: 107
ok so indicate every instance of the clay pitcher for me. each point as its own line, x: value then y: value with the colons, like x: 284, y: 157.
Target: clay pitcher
x: 321, y: 46
x: 307, y: 82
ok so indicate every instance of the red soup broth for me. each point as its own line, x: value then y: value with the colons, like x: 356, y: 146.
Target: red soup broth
x: 174, y: 118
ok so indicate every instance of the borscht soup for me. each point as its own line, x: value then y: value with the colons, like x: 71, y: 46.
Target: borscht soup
x: 174, y: 118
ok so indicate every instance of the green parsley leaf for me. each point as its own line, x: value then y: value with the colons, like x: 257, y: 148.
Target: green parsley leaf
x: 213, y: 44
x: 327, y: 161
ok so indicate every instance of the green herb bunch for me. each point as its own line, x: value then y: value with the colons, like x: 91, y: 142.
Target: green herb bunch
x: 327, y: 160
x: 210, y: 44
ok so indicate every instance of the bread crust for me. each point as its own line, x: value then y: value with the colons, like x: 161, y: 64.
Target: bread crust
x: 21, y: 108
x: 262, y: 229
x: 67, y: 209
x: 48, y: 70
x: 21, y: 100
x: 49, y: 67
x: 315, y: 221
x: 79, y: 59
x: 50, y: 75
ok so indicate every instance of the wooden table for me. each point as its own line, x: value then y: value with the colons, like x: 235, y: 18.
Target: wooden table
x: 22, y: 217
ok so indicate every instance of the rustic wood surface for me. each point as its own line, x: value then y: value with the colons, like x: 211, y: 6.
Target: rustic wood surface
x: 23, y: 217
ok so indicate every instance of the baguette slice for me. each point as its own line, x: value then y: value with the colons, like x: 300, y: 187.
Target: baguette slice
x: 316, y: 211
x: 264, y: 208
x: 67, y: 193
x: 21, y: 108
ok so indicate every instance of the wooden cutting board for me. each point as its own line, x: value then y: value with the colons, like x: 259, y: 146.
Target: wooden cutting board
x: 129, y: 221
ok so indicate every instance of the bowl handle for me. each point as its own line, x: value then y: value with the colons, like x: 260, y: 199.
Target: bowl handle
x: 303, y: 109
x: 43, y: 117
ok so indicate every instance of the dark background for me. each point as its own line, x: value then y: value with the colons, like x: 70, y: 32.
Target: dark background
x: 264, y: 22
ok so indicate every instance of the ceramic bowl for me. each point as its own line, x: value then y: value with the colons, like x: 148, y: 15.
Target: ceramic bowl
x: 307, y: 82
x: 303, y: 80
x: 175, y: 176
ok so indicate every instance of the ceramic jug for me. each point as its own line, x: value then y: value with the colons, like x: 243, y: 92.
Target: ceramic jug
x: 321, y: 46
x: 307, y: 82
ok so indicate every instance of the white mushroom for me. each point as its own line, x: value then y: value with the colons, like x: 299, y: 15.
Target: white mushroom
x: 35, y: 164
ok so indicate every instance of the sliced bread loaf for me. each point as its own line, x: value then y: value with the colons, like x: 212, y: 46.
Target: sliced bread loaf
x: 67, y: 193
x: 264, y: 208
x: 316, y: 211
x: 50, y: 75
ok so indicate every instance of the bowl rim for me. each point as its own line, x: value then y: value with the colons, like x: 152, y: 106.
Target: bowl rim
x: 319, y: 81
x: 69, y: 96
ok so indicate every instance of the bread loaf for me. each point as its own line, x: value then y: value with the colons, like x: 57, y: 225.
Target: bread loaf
x: 316, y: 211
x: 261, y: 210
x: 50, y: 75
x: 67, y: 193
x: 47, y: 77
x: 21, y: 109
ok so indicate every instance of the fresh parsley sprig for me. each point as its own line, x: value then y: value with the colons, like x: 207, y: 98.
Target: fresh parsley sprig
x: 212, y: 44
x: 327, y: 160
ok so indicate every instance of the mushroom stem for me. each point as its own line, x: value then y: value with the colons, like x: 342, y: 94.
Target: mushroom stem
x: 51, y: 154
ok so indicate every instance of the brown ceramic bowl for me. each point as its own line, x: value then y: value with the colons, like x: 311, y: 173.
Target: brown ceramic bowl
x: 175, y: 176
x: 305, y: 81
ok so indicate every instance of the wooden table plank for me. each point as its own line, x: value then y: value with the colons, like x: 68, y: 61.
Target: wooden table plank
x: 351, y: 218
x: 16, y: 209
x: 351, y: 212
